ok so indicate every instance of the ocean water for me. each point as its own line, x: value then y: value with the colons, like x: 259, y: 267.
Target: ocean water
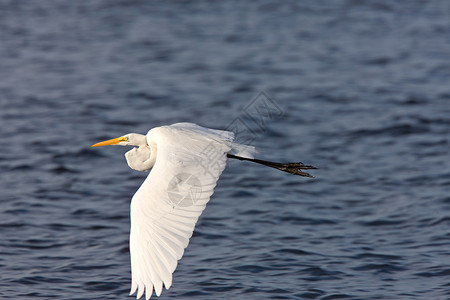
x: 359, y: 89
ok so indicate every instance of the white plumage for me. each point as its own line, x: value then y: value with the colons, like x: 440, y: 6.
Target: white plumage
x: 186, y: 162
x: 161, y: 229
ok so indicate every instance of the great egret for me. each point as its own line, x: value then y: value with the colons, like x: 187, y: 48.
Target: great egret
x: 186, y: 161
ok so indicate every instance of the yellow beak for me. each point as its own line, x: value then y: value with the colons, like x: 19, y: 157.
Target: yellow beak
x: 111, y: 142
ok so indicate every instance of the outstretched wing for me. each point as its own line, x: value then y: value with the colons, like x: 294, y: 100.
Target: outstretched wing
x: 166, y: 207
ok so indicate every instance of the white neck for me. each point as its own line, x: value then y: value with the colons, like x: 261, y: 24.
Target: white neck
x: 142, y: 157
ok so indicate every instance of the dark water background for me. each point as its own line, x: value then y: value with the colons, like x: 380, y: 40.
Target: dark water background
x: 365, y: 94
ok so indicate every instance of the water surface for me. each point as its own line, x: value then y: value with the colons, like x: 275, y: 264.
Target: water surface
x: 364, y: 95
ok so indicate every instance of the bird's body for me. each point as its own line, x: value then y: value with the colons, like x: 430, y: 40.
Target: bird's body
x: 186, y: 161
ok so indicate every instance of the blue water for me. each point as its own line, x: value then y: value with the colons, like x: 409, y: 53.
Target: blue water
x: 363, y: 93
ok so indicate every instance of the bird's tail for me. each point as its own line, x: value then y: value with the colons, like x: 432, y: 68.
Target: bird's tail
x: 241, y: 150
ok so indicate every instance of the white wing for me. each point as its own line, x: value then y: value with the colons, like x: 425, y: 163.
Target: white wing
x: 237, y: 149
x: 166, y: 207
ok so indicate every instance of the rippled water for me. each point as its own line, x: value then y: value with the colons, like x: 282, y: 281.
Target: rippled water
x: 364, y: 91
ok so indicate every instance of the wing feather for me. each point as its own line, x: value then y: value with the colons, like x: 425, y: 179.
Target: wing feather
x: 165, y: 259
x: 172, y: 240
x: 166, y: 207
x: 148, y: 292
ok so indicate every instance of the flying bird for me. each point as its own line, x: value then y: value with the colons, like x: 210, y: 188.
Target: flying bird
x: 186, y: 161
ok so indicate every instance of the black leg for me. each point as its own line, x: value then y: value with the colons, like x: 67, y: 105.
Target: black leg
x: 292, y: 168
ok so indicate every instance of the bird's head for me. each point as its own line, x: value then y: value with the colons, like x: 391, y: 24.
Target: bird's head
x: 131, y: 139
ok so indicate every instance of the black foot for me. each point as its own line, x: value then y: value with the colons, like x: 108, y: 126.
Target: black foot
x: 296, y: 169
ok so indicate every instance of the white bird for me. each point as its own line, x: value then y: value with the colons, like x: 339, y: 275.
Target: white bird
x: 186, y: 161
